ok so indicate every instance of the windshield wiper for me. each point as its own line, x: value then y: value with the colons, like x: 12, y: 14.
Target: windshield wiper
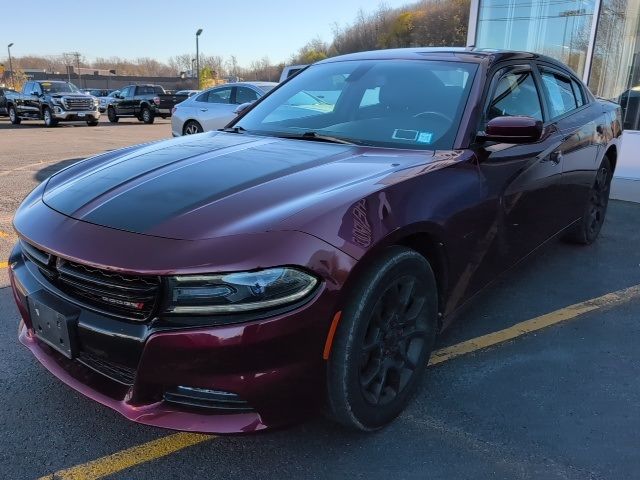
x: 311, y: 135
x: 237, y: 129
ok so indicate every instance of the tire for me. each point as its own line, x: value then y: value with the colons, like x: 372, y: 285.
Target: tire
x: 92, y: 123
x: 47, y: 116
x: 147, y: 116
x: 191, y: 128
x: 383, y: 341
x: 111, y: 115
x: 13, y: 115
x: 586, y: 231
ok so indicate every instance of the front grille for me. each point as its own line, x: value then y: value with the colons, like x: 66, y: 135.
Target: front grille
x: 77, y: 103
x: 122, y: 295
x: 215, y: 400
x: 114, y: 371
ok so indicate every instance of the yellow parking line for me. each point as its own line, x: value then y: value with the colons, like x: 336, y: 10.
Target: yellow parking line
x: 4, y: 264
x: 4, y: 234
x: 130, y: 457
x: 538, y: 323
x: 164, y: 446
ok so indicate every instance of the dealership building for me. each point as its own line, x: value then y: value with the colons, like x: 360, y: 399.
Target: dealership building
x: 598, y: 39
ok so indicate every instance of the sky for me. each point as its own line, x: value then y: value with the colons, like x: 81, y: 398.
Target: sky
x: 159, y: 29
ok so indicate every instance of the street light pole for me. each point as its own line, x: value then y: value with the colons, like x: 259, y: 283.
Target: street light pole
x: 198, y: 56
x: 10, y: 64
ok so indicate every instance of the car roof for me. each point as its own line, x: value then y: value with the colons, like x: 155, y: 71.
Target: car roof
x: 460, y: 54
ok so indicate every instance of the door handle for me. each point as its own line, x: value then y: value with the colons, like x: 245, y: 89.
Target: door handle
x: 204, y: 109
x: 556, y: 157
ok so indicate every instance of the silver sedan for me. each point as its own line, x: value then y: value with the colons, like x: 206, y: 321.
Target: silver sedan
x: 214, y: 108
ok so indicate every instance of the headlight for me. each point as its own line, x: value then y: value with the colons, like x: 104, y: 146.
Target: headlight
x: 238, y: 292
x: 56, y: 101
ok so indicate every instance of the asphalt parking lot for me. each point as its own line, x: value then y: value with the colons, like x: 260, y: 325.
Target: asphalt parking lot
x: 504, y: 398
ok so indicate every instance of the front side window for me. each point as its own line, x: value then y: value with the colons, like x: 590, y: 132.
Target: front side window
x: 516, y: 94
x: 560, y: 94
x: 414, y: 104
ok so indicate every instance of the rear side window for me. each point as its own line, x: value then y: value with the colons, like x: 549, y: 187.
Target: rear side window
x: 245, y: 95
x: 560, y: 93
x: 515, y: 94
x: 578, y: 92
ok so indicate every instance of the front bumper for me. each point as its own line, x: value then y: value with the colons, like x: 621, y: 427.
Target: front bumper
x: 274, y: 364
x: 71, y: 115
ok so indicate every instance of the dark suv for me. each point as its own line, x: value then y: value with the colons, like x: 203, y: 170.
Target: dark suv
x: 53, y: 102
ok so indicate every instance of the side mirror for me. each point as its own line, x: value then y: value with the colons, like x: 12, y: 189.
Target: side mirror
x: 242, y: 108
x: 516, y: 129
x: 35, y: 93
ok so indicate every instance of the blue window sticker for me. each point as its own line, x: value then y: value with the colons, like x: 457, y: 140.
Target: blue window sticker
x: 425, y: 137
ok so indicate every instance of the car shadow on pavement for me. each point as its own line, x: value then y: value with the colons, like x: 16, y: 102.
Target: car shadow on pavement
x: 49, y: 170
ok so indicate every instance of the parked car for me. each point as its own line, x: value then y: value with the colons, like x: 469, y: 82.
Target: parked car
x: 97, y: 92
x: 5, y: 94
x: 107, y: 100
x: 189, y: 93
x: 290, y: 71
x: 144, y: 102
x: 53, y: 102
x: 214, y: 108
x: 240, y: 279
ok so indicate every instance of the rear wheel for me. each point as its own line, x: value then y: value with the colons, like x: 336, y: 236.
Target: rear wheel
x: 147, y: 116
x: 384, y: 340
x: 49, y: 121
x: 13, y: 116
x: 111, y: 115
x: 586, y: 231
x: 191, y: 128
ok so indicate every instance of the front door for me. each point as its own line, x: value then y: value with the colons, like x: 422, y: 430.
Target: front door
x: 522, y: 181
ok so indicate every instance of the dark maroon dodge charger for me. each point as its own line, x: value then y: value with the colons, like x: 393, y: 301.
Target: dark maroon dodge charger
x: 308, y: 255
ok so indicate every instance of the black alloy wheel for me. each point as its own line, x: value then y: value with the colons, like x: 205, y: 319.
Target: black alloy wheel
x: 111, y: 115
x: 586, y: 231
x: 383, y: 340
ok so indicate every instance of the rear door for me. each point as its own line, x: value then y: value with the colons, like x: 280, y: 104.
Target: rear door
x: 523, y: 181
x: 575, y: 117
x: 215, y: 108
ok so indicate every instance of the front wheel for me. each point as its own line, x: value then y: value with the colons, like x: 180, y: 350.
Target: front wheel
x: 13, y: 116
x: 147, y: 116
x: 49, y: 121
x: 586, y: 231
x: 383, y: 341
x: 111, y: 115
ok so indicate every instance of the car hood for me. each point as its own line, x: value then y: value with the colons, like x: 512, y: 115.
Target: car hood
x: 217, y: 184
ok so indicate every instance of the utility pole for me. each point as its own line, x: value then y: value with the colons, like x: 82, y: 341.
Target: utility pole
x: 198, y: 56
x: 77, y: 56
x: 10, y: 65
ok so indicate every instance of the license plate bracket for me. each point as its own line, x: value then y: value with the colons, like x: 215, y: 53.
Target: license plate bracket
x: 53, y: 324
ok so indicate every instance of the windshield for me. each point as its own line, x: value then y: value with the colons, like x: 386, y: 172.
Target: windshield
x: 413, y: 104
x: 59, y: 87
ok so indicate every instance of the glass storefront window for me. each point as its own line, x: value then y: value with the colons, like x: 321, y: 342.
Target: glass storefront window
x: 557, y: 28
x: 615, y: 71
